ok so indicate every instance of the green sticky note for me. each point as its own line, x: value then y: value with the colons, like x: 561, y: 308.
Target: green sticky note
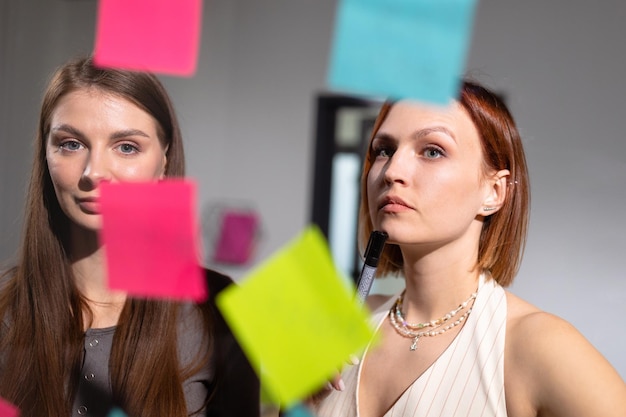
x: 401, y: 48
x: 295, y: 318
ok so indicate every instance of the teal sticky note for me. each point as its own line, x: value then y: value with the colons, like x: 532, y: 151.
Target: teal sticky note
x: 298, y: 410
x: 116, y: 412
x: 401, y: 48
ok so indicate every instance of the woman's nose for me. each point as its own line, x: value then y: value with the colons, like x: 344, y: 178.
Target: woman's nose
x: 97, y: 168
x: 397, y: 168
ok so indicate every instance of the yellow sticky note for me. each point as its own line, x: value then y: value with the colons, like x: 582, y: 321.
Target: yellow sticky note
x: 295, y: 318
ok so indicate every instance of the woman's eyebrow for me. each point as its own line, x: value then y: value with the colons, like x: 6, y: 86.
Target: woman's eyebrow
x: 383, y: 136
x: 68, y: 129
x: 435, y: 129
x: 115, y: 135
x: 128, y: 132
x: 418, y: 134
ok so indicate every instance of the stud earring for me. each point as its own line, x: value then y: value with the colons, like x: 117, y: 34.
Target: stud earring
x: 489, y: 208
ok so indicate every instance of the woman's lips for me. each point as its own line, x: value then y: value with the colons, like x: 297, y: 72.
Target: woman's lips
x: 89, y: 205
x: 393, y: 205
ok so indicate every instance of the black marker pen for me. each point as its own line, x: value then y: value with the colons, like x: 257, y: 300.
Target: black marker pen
x: 372, y: 253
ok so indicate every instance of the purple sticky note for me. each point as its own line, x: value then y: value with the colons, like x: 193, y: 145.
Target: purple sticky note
x: 8, y: 409
x: 151, y: 237
x: 149, y: 35
x: 237, y: 237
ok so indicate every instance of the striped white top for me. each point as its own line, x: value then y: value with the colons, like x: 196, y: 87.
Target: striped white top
x: 466, y: 380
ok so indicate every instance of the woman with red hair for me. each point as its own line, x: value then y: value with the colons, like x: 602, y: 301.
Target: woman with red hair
x: 450, y: 187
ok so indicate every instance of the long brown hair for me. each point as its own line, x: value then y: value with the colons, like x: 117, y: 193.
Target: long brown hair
x: 503, y: 234
x: 42, y: 335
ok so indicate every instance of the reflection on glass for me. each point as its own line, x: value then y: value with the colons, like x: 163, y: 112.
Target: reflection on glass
x: 344, y: 199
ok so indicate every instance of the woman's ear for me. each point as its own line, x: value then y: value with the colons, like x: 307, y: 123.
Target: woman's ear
x: 496, y: 193
x: 164, y: 164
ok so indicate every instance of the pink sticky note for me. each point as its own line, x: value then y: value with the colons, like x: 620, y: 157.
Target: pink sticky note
x: 151, y: 237
x: 8, y: 409
x: 237, y: 237
x: 149, y: 35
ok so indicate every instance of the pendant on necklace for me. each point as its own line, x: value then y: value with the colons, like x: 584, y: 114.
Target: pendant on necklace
x: 414, y: 345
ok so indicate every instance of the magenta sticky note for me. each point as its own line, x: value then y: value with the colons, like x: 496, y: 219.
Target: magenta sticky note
x: 160, y: 36
x: 236, y: 240
x: 151, y: 239
x: 7, y: 409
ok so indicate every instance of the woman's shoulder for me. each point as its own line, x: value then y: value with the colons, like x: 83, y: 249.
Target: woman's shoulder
x: 236, y: 386
x: 538, y: 337
x: 202, y: 319
x: 550, y: 361
x: 198, y: 323
x: 530, y: 326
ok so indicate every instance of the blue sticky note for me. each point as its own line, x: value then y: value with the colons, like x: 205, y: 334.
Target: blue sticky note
x: 298, y: 410
x: 401, y: 48
x: 116, y: 412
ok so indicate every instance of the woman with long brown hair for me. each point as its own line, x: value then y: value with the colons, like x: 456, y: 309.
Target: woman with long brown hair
x: 450, y: 187
x: 68, y: 344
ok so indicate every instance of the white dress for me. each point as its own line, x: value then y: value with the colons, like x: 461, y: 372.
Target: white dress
x: 467, y: 380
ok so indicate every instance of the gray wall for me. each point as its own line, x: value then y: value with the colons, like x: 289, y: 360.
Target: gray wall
x: 247, y: 117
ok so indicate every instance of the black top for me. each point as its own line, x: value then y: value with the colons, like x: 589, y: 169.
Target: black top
x: 229, y: 382
x: 235, y: 388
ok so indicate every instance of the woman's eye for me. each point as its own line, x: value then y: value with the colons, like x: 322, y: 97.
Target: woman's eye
x: 127, y: 148
x: 433, y: 152
x: 70, y: 145
x: 382, y: 152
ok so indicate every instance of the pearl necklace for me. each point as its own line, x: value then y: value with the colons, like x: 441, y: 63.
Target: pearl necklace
x: 413, y: 331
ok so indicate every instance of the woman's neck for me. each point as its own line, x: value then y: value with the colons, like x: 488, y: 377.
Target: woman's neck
x: 89, y: 269
x: 437, y: 282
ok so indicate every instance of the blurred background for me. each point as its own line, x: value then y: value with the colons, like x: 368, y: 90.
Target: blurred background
x: 253, y: 117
